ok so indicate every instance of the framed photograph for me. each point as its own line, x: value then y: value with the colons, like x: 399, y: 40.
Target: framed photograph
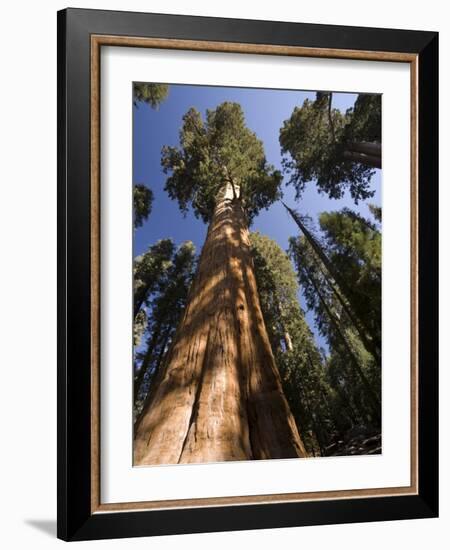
x: 248, y: 294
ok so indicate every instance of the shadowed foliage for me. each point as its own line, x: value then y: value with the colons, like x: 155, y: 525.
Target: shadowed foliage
x: 353, y: 245
x: 148, y: 270
x: 151, y: 94
x: 142, y: 203
x: 164, y: 311
x: 337, y: 151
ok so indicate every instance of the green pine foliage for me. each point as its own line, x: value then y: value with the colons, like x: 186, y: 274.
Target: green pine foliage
x: 353, y: 245
x: 277, y: 287
x: 376, y: 212
x: 142, y: 203
x: 216, y: 152
x: 149, y: 268
x: 299, y: 361
x: 151, y: 94
x: 163, y: 310
x: 316, y: 140
x: 364, y: 120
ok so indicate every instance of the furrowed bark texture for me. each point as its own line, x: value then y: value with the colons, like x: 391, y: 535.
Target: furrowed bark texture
x: 218, y: 396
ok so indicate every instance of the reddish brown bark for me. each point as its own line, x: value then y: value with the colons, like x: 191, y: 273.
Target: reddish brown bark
x: 218, y: 396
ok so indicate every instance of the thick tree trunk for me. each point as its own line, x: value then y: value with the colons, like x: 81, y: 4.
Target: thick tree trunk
x: 219, y: 396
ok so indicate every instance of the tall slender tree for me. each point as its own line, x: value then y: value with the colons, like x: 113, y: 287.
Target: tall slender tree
x: 277, y: 287
x: 334, y: 323
x: 353, y: 245
x: 164, y: 313
x: 219, y: 395
x: 336, y: 263
x: 300, y: 363
x: 148, y: 270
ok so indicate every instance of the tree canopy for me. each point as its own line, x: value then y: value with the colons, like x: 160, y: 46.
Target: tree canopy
x: 214, y: 153
x: 376, y: 212
x: 338, y: 151
x: 148, y: 269
x: 363, y: 120
x: 151, y: 94
x: 142, y: 203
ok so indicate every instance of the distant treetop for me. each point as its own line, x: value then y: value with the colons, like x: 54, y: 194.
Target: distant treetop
x: 152, y: 94
x: 218, y: 152
x: 142, y: 202
x: 338, y: 151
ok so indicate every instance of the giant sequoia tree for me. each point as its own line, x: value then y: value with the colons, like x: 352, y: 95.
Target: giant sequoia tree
x: 338, y: 151
x: 218, y: 395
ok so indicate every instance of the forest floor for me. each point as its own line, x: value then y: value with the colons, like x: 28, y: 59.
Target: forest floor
x: 356, y: 441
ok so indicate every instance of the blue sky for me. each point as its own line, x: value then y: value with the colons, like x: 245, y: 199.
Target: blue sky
x: 265, y: 111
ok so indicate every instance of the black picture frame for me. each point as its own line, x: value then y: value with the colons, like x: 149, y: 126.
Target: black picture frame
x: 75, y: 518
